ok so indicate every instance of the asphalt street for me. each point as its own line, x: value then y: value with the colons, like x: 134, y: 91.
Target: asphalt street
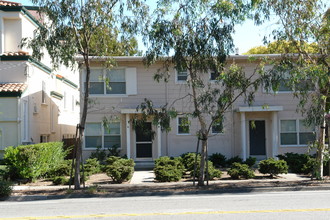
x: 270, y: 205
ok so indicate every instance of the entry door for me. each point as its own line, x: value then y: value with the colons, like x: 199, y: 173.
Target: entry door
x: 144, y: 140
x: 257, y: 138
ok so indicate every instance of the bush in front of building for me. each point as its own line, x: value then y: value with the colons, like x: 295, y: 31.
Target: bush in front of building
x: 5, y: 189
x: 168, y: 169
x: 238, y: 171
x: 298, y: 163
x: 251, y: 161
x: 273, y: 167
x: 188, y: 160
x: 119, y: 169
x: 210, y: 171
x: 31, y: 162
x: 232, y: 160
x: 92, y: 166
x: 218, y: 159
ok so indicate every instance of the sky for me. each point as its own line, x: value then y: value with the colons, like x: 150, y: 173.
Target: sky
x: 246, y: 35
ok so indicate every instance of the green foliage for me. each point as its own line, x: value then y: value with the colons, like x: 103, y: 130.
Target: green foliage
x: 188, y: 160
x: 33, y: 161
x: 120, y: 169
x: 250, y: 161
x: 297, y: 162
x: 101, y: 154
x: 238, y: 171
x: 60, y: 180
x: 168, y: 169
x: 5, y: 189
x: 232, y: 160
x: 63, y: 169
x: 273, y: 167
x: 212, y: 171
x: 282, y: 47
x: 92, y: 166
x: 218, y: 159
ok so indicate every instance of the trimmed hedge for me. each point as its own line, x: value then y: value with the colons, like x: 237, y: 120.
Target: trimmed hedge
x: 120, y: 169
x: 273, y: 167
x: 168, y: 169
x: 298, y: 163
x: 33, y: 161
x: 5, y: 189
x: 218, y: 159
x: 238, y: 171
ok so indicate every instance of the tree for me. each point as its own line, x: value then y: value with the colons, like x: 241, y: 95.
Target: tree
x: 308, y: 74
x: 281, y: 47
x: 72, y: 27
x: 195, y: 37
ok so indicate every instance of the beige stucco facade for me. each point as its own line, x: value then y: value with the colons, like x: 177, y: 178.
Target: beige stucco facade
x: 269, y: 109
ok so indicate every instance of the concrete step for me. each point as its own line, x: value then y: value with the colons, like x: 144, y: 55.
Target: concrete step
x: 144, y: 165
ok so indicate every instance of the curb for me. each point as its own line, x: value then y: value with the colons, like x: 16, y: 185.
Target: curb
x: 240, y: 190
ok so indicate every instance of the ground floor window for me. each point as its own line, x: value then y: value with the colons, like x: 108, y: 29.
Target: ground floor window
x: 183, y: 125
x: 294, y: 132
x: 97, y: 135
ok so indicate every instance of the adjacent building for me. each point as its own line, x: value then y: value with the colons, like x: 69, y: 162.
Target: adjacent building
x: 37, y: 104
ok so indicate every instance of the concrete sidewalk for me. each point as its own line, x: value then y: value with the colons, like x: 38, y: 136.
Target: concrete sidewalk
x: 140, y: 177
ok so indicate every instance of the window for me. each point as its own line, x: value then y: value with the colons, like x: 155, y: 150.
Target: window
x: 43, y: 93
x: 183, y: 125
x: 105, y: 137
x: 65, y: 100
x: 217, y: 128
x: 182, y: 76
x: 294, y: 132
x: 44, y: 138
x: 214, y: 75
x: 107, y: 81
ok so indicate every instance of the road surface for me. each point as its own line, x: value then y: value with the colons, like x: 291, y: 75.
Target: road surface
x: 270, y: 205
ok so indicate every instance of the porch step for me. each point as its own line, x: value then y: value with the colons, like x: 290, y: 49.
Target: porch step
x: 144, y: 165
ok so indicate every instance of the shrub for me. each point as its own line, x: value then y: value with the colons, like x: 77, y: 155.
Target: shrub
x: 212, y: 171
x: 5, y: 189
x: 92, y: 166
x: 33, y: 161
x: 188, y: 160
x: 101, y: 154
x: 232, y: 160
x: 250, y: 161
x: 61, y: 180
x: 120, y: 169
x: 218, y: 159
x: 296, y: 162
x: 240, y: 171
x: 63, y: 169
x: 273, y: 167
x: 168, y: 169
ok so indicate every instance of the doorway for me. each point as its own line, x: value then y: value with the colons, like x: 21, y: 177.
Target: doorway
x: 143, y: 134
x: 257, y: 138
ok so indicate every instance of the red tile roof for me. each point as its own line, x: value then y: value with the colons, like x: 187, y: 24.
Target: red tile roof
x: 8, y: 3
x: 12, y: 87
x: 18, y: 53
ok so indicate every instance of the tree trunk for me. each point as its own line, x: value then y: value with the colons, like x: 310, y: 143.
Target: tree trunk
x: 82, y: 124
x: 320, y: 152
x: 201, y: 177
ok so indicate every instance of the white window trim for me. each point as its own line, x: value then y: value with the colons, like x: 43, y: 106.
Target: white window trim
x: 102, y: 136
x: 297, y: 132
x: 219, y: 133
x: 180, y: 81
x: 177, y: 126
x: 104, y: 72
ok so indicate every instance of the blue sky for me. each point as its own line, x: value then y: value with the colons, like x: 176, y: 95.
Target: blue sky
x: 247, y: 35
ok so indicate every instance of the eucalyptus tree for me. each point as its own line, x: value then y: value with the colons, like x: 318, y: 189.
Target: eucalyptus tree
x: 196, y: 37
x: 302, y: 23
x: 71, y: 27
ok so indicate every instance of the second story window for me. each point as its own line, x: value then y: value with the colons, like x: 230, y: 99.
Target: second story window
x: 105, y: 82
x: 214, y: 75
x: 182, y: 76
